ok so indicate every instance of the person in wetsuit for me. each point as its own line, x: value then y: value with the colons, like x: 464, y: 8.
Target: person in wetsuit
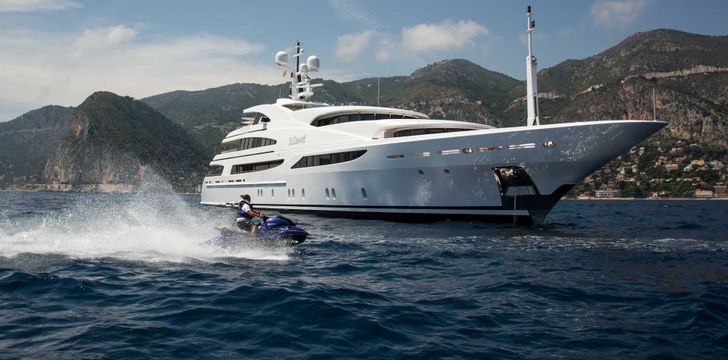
x: 248, y: 218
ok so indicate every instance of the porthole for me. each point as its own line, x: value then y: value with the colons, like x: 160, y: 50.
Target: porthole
x: 420, y: 172
x: 364, y: 193
x: 333, y: 193
x: 327, y: 194
x: 293, y: 193
x: 289, y: 193
x: 467, y: 150
x: 447, y: 171
x: 272, y: 193
x: 303, y: 193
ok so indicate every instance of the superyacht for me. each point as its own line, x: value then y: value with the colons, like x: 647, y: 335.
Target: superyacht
x: 387, y: 163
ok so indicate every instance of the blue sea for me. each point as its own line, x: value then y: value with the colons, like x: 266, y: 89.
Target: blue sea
x: 87, y: 276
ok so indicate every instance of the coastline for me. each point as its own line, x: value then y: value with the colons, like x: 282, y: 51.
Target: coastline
x: 130, y: 191
x: 87, y: 189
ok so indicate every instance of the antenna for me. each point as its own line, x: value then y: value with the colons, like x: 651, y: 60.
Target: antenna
x: 377, y: 90
x: 654, y: 105
x: 299, y: 51
x: 531, y: 79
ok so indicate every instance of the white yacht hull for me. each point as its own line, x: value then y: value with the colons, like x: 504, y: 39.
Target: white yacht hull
x: 458, y: 180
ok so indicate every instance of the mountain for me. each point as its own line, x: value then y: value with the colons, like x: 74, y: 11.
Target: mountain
x: 29, y: 140
x: 648, y: 54
x: 108, y: 143
x: 453, y: 89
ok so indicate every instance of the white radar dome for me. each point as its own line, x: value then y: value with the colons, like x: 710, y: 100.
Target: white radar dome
x: 281, y: 58
x: 313, y: 63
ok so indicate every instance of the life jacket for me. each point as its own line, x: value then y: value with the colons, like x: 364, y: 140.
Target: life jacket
x: 244, y: 214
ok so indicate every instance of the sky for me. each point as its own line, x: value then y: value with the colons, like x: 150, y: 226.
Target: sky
x: 61, y: 51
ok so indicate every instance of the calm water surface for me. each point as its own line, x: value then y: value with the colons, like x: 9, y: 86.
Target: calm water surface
x: 132, y: 276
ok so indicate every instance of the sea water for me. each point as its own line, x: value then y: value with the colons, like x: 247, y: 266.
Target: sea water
x: 129, y: 276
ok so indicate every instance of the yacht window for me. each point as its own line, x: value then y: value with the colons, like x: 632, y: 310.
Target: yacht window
x: 243, y: 168
x: 251, y: 143
x: 231, y: 146
x: 299, y: 106
x: 339, y: 119
x: 251, y: 118
x: 214, y: 170
x: 425, y: 131
x: 328, y: 159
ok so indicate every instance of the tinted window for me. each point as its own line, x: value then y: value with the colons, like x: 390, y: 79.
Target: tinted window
x: 254, y: 142
x: 251, y: 117
x: 231, y: 146
x: 214, y: 170
x: 414, y: 132
x: 243, y: 168
x: 328, y: 159
x: 339, y: 119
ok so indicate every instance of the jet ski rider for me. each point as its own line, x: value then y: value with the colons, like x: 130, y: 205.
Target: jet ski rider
x: 247, y: 216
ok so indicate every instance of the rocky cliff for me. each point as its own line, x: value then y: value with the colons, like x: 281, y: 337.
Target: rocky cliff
x: 27, y: 142
x: 108, y: 143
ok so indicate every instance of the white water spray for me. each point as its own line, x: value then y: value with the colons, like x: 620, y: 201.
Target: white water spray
x: 155, y: 225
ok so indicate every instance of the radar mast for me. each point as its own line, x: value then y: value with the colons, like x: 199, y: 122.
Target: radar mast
x: 301, y: 86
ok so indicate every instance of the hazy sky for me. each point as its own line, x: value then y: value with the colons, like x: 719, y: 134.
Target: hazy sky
x: 60, y: 51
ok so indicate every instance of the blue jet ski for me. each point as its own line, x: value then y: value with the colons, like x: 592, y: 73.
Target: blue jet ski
x: 281, y: 227
x: 275, y: 228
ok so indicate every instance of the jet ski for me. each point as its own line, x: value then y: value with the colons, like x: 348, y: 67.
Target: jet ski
x: 276, y: 228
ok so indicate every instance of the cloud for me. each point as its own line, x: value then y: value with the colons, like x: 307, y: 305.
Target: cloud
x: 444, y: 36
x: 350, y: 11
x: 36, y: 5
x: 616, y: 13
x: 350, y: 46
x: 41, y: 68
x: 105, y: 37
x: 386, y: 49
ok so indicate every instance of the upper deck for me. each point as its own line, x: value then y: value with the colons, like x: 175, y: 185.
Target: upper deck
x: 371, y: 122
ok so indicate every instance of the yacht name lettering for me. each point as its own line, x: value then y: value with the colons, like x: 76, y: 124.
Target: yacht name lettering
x: 296, y: 140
